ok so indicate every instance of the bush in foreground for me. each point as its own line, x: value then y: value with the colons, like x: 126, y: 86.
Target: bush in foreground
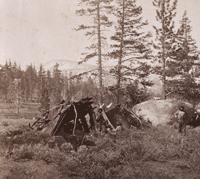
x: 128, y: 154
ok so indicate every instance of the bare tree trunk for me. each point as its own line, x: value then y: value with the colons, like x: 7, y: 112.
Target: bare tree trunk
x: 99, y: 52
x: 163, y: 73
x: 26, y: 95
x: 17, y: 97
x: 163, y: 53
x: 120, y: 55
x: 66, y: 88
x: 31, y: 91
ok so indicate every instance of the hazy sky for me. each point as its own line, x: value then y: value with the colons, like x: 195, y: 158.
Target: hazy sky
x: 38, y: 31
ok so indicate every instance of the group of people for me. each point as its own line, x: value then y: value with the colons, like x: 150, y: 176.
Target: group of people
x: 183, y: 119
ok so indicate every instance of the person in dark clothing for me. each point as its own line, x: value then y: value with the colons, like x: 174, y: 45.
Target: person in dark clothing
x: 101, y: 122
x: 181, y: 117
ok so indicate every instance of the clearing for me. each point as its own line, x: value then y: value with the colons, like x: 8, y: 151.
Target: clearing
x: 148, y: 153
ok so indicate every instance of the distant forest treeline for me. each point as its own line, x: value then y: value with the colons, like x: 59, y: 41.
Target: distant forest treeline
x: 45, y: 87
x: 49, y: 88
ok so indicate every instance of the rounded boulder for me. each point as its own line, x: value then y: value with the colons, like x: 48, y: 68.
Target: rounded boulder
x: 161, y: 112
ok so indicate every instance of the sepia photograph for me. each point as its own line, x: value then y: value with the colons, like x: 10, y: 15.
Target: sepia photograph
x: 99, y: 89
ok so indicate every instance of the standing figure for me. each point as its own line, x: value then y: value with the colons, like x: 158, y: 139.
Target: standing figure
x: 101, y: 123
x: 181, y: 117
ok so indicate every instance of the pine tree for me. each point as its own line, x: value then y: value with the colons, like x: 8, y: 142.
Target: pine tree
x: 56, y: 96
x: 132, y: 45
x: 184, y: 50
x: 66, y: 86
x: 15, y: 93
x: 71, y: 86
x: 184, y: 53
x: 49, y: 82
x: 2, y: 82
x: 6, y: 78
x: 15, y: 70
x: 164, y: 34
x: 41, y: 82
x: 95, y: 9
x: 31, y: 77
x: 44, y: 101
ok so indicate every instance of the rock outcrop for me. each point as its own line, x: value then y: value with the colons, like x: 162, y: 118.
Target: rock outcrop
x: 161, y: 112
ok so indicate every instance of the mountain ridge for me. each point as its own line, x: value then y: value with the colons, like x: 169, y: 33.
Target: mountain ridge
x: 75, y: 69
x: 68, y: 65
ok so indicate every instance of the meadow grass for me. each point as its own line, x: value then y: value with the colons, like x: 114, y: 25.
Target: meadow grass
x: 155, y: 153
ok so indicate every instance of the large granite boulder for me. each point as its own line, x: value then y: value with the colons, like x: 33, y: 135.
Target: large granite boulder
x: 161, y: 112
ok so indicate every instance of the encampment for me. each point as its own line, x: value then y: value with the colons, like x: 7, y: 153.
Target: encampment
x: 66, y: 117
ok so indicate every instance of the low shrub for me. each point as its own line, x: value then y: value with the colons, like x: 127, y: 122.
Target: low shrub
x: 4, y: 123
x: 31, y: 137
x: 195, y: 160
x: 33, y: 169
x: 96, y: 171
x: 38, y: 152
x: 151, y: 174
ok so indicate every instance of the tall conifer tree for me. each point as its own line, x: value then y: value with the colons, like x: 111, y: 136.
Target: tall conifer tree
x: 44, y: 101
x: 164, y: 34
x: 95, y: 9
x: 184, y: 50
x: 57, y: 85
x: 132, y: 45
x: 182, y: 64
